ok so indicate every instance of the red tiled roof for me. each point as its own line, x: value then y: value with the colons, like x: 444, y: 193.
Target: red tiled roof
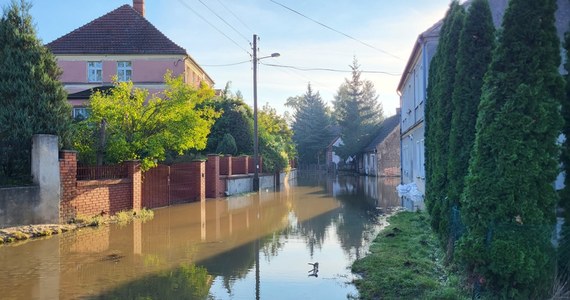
x: 121, y: 31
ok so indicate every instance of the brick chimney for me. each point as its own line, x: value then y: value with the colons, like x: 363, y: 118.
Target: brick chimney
x: 138, y: 5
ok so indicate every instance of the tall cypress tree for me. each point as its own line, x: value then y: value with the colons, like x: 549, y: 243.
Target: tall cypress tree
x: 438, y: 114
x: 473, y: 58
x: 564, y: 250
x: 32, y: 100
x: 509, y: 199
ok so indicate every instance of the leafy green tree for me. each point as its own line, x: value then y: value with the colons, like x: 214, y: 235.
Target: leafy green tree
x: 438, y: 117
x: 227, y: 145
x: 32, y: 100
x: 275, y: 140
x: 357, y: 111
x: 135, y: 128
x: 509, y: 200
x: 236, y: 119
x: 473, y: 58
x: 310, y: 125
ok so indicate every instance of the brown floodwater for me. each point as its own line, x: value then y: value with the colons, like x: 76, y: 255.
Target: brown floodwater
x: 255, y: 246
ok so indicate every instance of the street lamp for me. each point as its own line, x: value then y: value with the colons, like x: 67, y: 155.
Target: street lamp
x: 255, y: 132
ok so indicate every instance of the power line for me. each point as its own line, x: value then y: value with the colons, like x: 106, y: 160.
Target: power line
x: 235, y: 16
x: 205, y: 20
x: 230, y: 64
x: 328, y: 69
x: 335, y: 30
x: 219, y: 17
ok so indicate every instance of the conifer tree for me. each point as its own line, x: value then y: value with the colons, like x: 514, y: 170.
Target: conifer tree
x: 32, y: 100
x: 438, y: 116
x: 357, y: 111
x: 473, y: 58
x: 509, y: 200
x: 310, y: 125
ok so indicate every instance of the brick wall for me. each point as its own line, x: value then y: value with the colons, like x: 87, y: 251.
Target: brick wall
x: 92, y: 197
x: 389, y: 154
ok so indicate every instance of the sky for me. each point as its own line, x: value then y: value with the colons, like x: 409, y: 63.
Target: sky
x: 383, y: 34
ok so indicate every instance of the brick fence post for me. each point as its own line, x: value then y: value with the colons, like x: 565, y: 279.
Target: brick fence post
x: 226, y: 165
x: 212, y: 176
x: 68, y: 179
x: 135, y: 174
x: 199, y: 180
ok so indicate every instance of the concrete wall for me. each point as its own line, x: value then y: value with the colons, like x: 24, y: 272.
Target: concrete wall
x: 17, y: 205
x: 45, y: 174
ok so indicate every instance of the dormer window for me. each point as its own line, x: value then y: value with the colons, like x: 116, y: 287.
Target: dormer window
x: 124, y: 70
x: 94, y: 71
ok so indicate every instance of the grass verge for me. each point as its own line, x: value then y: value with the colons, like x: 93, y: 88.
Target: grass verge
x: 405, y: 262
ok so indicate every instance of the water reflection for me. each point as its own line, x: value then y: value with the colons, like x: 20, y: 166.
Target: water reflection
x: 252, y: 246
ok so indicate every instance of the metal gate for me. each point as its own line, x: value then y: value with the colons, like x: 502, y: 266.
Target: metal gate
x: 166, y: 185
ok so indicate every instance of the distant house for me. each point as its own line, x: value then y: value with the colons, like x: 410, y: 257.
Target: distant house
x: 333, y: 160
x: 124, y: 44
x: 413, y: 91
x: 382, y: 156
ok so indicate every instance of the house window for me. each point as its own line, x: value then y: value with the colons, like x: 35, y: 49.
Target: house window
x: 81, y: 113
x: 124, y: 70
x: 421, y: 159
x: 94, y: 71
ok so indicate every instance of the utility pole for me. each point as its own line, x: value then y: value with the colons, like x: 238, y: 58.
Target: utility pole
x: 255, y: 133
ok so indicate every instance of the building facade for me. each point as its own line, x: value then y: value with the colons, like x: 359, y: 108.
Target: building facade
x: 121, y: 44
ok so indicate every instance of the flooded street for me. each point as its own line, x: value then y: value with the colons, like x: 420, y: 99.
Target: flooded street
x: 245, y: 247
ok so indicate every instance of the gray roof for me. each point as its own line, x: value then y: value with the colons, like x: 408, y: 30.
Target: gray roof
x: 387, y: 126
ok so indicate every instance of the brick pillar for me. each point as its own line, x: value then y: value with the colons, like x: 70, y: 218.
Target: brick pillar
x: 226, y: 165
x: 250, y: 165
x: 68, y: 179
x: 198, y: 180
x: 260, y: 165
x: 212, y: 176
x: 135, y: 174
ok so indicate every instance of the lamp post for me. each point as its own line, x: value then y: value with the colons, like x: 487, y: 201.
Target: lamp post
x: 255, y: 131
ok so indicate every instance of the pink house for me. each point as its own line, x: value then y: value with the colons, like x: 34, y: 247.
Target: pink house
x: 121, y: 43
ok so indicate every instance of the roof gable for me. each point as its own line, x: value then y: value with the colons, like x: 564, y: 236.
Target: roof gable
x: 387, y: 126
x: 121, y: 31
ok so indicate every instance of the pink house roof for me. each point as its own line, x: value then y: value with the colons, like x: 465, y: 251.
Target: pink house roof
x: 121, y: 31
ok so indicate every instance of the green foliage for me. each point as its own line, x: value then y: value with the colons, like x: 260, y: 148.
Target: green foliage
x: 438, y: 118
x: 357, y: 111
x: 310, y: 126
x: 509, y: 200
x: 275, y: 140
x: 32, y: 100
x: 236, y: 119
x: 227, y: 145
x: 185, y: 282
x: 405, y: 262
x: 565, y: 195
x: 137, y: 128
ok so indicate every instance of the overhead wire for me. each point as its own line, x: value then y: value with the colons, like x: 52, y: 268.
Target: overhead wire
x: 223, y: 20
x: 335, y: 30
x: 227, y: 65
x: 205, y: 20
x: 235, y: 16
x: 328, y: 69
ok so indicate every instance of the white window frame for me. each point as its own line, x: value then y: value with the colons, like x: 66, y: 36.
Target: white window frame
x: 124, y: 70
x: 95, y: 71
x: 84, y: 111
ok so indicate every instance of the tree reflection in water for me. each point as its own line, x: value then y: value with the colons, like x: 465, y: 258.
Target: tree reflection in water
x: 185, y: 282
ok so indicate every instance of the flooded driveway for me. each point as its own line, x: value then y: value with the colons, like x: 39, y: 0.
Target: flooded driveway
x: 257, y: 246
